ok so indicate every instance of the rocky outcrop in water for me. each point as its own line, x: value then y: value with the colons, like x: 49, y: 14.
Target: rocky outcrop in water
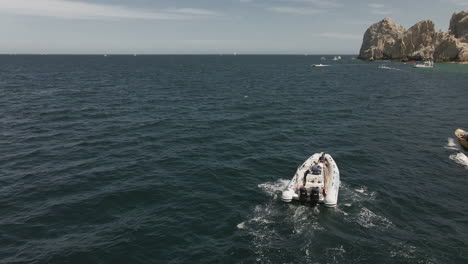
x: 388, y: 40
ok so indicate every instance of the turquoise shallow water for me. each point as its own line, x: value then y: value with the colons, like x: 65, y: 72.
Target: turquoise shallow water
x: 180, y: 159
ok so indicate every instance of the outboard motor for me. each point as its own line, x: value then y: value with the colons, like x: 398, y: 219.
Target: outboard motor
x: 314, y: 196
x: 303, y: 195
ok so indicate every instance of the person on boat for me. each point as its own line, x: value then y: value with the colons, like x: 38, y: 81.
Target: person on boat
x: 305, y: 176
x: 322, y: 158
x: 316, y: 168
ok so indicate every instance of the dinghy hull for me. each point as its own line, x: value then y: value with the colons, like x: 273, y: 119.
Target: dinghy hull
x: 327, y: 182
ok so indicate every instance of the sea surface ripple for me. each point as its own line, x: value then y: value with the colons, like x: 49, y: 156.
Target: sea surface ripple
x: 181, y: 159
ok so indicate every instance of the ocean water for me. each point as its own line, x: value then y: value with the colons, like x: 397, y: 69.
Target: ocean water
x: 181, y: 159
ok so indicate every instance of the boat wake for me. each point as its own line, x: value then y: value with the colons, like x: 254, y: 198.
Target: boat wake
x: 275, y: 221
x: 274, y: 188
x: 389, y: 68
x: 452, y: 144
x: 459, y: 157
x: 268, y: 221
x: 369, y: 219
x: 353, y: 207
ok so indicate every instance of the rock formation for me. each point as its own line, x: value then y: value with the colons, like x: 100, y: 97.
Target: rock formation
x: 388, y: 40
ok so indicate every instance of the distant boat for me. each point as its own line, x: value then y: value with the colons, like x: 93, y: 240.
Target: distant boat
x: 105, y: 55
x: 426, y: 64
x: 337, y: 58
x: 320, y: 65
x: 323, y: 58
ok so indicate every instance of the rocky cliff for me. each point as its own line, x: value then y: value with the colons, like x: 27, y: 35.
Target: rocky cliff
x: 388, y: 40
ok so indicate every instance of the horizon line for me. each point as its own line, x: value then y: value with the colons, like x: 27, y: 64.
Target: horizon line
x: 174, y: 54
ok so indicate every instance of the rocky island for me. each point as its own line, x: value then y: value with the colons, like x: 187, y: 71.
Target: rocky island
x: 388, y: 40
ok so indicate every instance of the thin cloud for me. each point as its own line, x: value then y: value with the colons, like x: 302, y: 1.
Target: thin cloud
x: 359, y: 22
x: 87, y: 11
x: 295, y: 10
x: 193, y: 11
x: 379, y: 9
x: 336, y: 35
x: 462, y: 3
x: 318, y: 3
x: 381, y: 12
x: 374, y: 5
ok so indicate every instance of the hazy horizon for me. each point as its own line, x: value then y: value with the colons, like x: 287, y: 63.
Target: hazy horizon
x: 206, y: 27
x: 176, y: 54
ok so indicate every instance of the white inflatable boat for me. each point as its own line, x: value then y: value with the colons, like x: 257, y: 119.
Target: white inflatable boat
x: 317, y: 180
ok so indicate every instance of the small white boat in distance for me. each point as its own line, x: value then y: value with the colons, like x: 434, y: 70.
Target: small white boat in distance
x: 337, y: 58
x: 317, y: 180
x: 320, y: 65
x: 426, y: 64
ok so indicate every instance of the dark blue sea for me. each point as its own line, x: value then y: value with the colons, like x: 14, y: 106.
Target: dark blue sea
x: 181, y: 159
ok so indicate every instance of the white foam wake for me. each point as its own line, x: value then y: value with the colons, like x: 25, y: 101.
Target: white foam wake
x: 452, y: 144
x: 273, y: 188
x: 268, y: 221
x: 368, y: 219
x: 388, y: 68
x: 460, y: 158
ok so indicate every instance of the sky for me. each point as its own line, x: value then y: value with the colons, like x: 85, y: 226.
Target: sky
x: 205, y: 26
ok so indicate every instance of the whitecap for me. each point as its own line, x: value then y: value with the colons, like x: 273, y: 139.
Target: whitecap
x: 241, y: 225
